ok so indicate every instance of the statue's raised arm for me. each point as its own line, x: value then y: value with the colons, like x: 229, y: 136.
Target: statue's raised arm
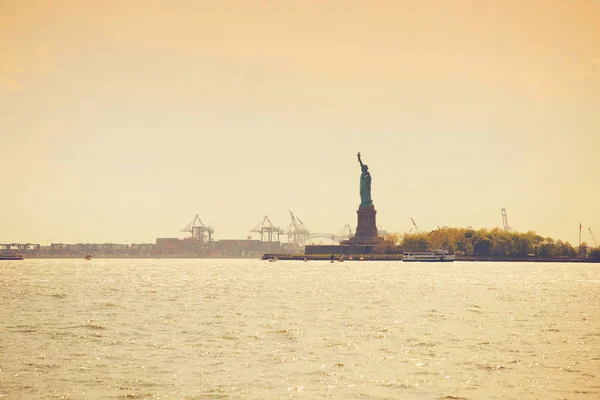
x: 359, y: 160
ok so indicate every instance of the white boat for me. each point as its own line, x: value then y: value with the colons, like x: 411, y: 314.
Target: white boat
x: 439, y: 255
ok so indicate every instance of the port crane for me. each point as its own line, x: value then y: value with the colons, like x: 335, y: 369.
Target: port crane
x: 268, y: 230
x: 199, y: 230
x: 507, y: 228
x: 415, y: 225
x: 593, y: 237
x: 297, y: 232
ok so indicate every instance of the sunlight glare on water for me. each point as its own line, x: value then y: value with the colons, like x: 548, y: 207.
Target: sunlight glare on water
x: 250, y: 329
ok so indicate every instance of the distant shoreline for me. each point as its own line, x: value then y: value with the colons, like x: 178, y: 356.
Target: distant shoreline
x: 50, y: 257
x: 393, y: 257
x: 318, y: 257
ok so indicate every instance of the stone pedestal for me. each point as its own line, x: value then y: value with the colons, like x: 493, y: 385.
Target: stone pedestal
x: 366, y: 230
x: 367, y: 226
x: 366, y: 241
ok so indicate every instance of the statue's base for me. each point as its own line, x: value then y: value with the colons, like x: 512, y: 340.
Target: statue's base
x: 366, y: 240
x: 367, y: 222
x: 355, y: 245
x: 366, y: 229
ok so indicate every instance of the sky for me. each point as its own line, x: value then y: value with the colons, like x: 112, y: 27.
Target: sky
x: 122, y: 120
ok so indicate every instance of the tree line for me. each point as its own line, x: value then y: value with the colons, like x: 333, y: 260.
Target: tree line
x: 495, y: 242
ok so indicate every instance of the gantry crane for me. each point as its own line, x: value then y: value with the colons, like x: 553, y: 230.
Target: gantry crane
x: 268, y: 230
x: 199, y: 230
x: 593, y: 237
x: 297, y: 232
x: 415, y: 225
x: 507, y: 228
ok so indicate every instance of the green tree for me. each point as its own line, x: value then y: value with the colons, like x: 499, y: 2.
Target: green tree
x: 537, y: 241
x: 569, y: 251
x: 391, y: 241
x: 495, y: 242
x: 483, y: 247
x: 393, y: 238
x: 547, y: 249
x: 502, y: 242
x: 416, y: 242
x: 582, y: 250
x: 523, y: 245
x: 565, y: 250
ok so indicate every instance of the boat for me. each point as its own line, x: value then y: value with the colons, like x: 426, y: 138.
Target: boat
x: 88, y: 257
x: 11, y: 257
x: 439, y: 255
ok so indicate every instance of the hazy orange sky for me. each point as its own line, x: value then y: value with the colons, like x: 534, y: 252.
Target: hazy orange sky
x: 121, y: 120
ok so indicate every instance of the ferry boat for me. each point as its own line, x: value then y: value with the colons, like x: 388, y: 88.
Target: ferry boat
x: 11, y: 257
x: 438, y: 255
x: 88, y: 257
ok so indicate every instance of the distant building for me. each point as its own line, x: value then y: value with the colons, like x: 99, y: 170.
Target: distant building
x: 243, y: 248
x: 168, y: 245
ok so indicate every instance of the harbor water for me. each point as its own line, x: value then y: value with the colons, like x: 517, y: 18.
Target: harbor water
x: 251, y: 329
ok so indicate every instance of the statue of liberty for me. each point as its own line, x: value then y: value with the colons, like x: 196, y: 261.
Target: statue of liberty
x: 365, y: 184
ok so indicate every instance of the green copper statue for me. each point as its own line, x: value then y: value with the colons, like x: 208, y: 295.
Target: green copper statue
x: 365, y: 184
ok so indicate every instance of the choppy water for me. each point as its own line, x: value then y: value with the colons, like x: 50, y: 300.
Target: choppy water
x: 249, y: 329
